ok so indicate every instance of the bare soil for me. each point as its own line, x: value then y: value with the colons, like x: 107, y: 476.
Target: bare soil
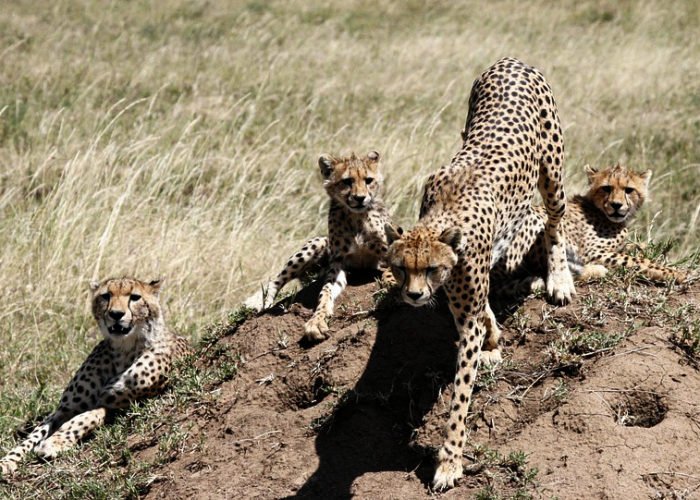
x: 362, y: 413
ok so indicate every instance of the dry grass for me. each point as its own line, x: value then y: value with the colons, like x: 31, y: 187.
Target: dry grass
x: 181, y: 140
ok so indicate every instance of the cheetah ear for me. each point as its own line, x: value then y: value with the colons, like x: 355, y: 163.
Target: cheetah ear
x: 590, y: 172
x: 373, y: 156
x: 451, y: 236
x: 325, y: 163
x: 646, y: 176
x: 392, y: 234
x: 94, y: 285
x: 155, y: 285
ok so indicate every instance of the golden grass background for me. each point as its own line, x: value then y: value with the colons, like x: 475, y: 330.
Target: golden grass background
x: 180, y: 139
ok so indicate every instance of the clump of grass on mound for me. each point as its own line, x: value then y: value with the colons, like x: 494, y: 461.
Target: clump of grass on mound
x: 506, y: 472
x: 574, y: 345
x: 685, y: 332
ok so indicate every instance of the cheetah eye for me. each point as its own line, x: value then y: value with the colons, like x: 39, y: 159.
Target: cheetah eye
x: 134, y: 297
x: 607, y: 189
x: 106, y: 296
x: 629, y: 190
x: 348, y: 181
x: 369, y: 180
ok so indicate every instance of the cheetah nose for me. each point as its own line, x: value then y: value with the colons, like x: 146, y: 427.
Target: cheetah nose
x: 616, y: 206
x: 414, y: 295
x: 359, y: 199
x: 116, y: 315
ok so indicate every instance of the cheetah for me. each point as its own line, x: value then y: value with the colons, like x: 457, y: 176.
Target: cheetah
x: 595, y: 227
x: 132, y: 362
x: 356, y: 237
x: 471, y: 211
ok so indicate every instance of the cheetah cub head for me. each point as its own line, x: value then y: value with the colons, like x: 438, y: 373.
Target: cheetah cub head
x: 617, y: 191
x: 351, y: 181
x: 125, y: 308
x: 421, y: 261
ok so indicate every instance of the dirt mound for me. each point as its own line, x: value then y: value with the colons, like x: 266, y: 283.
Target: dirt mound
x: 594, y: 400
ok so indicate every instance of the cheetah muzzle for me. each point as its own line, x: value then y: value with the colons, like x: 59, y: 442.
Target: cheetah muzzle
x: 120, y: 330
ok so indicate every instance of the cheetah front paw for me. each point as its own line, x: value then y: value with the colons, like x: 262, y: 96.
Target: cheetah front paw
x: 51, y: 447
x: 7, y: 467
x: 447, y: 473
x: 255, y: 302
x: 316, y: 329
x: 490, y: 357
x: 260, y: 300
x: 537, y: 285
x: 560, y: 287
x: 593, y: 271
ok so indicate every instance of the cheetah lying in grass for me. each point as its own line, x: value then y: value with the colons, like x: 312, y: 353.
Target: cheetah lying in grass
x: 595, y: 225
x: 471, y: 213
x: 356, y: 237
x: 132, y: 362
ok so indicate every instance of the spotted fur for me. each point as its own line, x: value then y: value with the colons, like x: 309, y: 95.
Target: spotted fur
x: 356, y: 237
x: 470, y: 213
x: 131, y: 363
x: 595, y: 225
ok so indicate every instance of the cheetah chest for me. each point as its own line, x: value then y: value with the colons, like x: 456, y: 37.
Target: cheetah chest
x: 363, y: 252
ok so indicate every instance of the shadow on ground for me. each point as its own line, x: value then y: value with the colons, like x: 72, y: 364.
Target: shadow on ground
x: 360, y: 414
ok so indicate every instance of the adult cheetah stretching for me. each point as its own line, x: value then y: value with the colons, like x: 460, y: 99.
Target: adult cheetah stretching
x: 132, y: 362
x: 472, y: 210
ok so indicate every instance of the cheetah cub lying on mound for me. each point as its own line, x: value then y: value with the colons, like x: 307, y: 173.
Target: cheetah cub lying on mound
x: 595, y: 225
x: 132, y: 362
x: 356, y: 236
x: 470, y: 214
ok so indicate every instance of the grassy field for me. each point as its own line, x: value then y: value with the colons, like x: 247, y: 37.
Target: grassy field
x: 180, y: 139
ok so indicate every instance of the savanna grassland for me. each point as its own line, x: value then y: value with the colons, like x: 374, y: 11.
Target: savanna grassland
x: 179, y: 139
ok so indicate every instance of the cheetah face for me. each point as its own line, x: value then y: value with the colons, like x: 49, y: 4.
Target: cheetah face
x: 351, y: 181
x: 422, y: 261
x: 123, y: 306
x: 617, y: 191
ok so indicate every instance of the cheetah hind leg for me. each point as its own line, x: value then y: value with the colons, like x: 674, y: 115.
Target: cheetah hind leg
x: 560, y: 282
x: 72, y: 431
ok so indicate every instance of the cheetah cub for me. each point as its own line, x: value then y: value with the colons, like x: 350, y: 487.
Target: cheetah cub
x: 356, y: 237
x: 132, y: 362
x: 470, y: 214
x: 595, y: 225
